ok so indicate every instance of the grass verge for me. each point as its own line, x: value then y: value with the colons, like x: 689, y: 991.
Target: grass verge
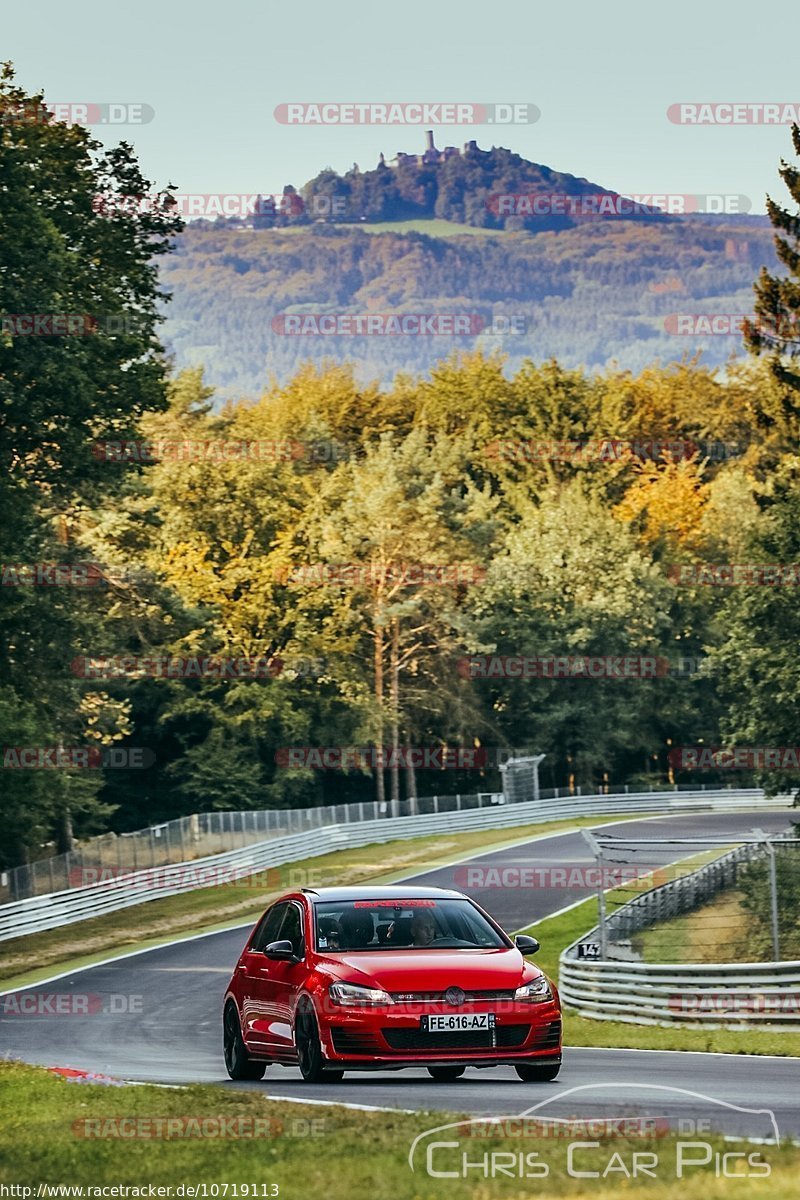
x: 308, y: 1152
x: 717, y: 932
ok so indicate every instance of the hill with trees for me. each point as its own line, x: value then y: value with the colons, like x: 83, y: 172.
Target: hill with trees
x: 605, y: 293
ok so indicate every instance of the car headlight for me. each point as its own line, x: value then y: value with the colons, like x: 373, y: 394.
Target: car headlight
x: 355, y: 995
x: 536, y: 991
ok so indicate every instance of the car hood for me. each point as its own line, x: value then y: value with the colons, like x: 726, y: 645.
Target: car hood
x: 433, y: 970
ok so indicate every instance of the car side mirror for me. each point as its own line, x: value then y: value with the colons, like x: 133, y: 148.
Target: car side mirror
x: 525, y: 944
x: 281, y: 950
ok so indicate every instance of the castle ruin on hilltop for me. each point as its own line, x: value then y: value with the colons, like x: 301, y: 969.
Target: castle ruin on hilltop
x: 430, y: 154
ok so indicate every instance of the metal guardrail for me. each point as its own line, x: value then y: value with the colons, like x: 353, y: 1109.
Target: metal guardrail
x: 664, y: 993
x: 39, y: 913
x: 203, y: 834
x: 738, y: 994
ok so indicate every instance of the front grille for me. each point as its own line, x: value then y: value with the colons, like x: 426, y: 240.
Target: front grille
x: 438, y: 997
x: 506, y: 1036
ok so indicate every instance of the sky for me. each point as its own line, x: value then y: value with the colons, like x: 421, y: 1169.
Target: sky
x: 602, y: 76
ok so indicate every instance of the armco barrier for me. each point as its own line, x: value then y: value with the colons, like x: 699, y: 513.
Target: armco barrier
x: 39, y: 913
x: 743, y: 993
x: 202, y: 834
x: 664, y: 993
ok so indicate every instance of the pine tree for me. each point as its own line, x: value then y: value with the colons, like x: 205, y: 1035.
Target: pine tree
x: 776, y: 332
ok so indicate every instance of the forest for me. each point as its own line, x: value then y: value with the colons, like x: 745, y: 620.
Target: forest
x: 371, y: 564
x: 216, y: 602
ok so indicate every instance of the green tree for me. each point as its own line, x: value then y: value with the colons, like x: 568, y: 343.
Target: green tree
x: 79, y: 362
x: 757, y: 662
x: 403, y: 505
x: 571, y: 581
x: 754, y: 884
x: 776, y: 332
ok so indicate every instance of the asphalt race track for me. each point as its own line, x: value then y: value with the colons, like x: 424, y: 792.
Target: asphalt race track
x: 155, y: 1016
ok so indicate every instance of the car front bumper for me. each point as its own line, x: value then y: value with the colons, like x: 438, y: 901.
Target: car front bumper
x: 523, y: 1032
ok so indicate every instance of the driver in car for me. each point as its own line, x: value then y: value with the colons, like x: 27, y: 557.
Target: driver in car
x: 423, y: 928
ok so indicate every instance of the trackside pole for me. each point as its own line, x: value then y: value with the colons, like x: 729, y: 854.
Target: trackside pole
x: 773, y: 894
x: 597, y: 850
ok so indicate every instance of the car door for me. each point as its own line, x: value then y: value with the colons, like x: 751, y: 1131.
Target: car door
x: 284, y: 981
x: 257, y: 994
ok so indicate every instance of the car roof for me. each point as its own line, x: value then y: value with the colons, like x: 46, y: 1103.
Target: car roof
x: 410, y: 892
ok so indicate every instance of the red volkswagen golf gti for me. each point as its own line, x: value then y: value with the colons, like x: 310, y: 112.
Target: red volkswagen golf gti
x: 365, y: 979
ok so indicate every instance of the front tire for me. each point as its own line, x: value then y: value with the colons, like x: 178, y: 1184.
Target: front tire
x: 446, y: 1074
x: 309, y: 1049
x: 532, y: 1073
x: 238, y: 1062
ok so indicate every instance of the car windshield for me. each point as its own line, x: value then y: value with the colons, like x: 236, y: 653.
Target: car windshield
x: 403, y: 925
